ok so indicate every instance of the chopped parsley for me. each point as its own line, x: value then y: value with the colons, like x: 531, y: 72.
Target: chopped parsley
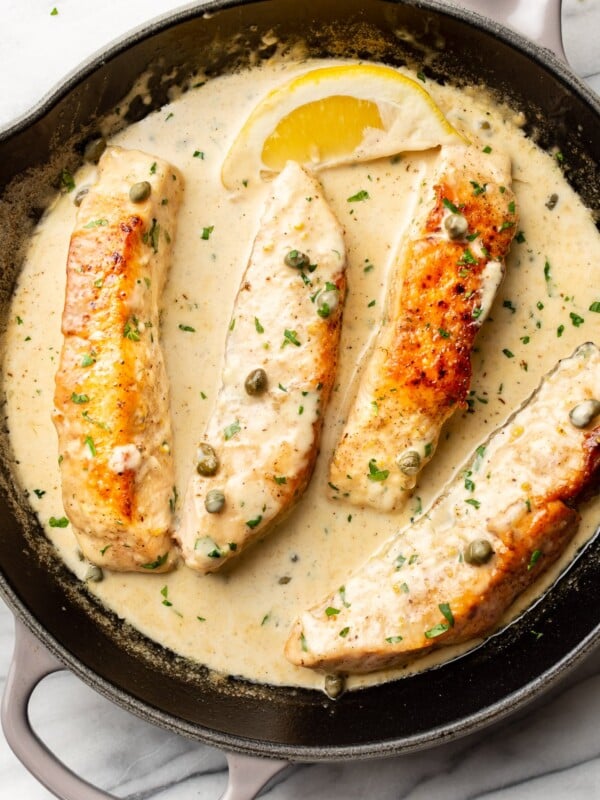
x: 89, y: 443
x: 131, y: 330
x: 506, y: 225
x: 356, y: 198
x: 97, y: 223
x: 39, y: 492
x: 199, y: 154
x: 576, y: 319
x: 535, y: 557
x: 446, y: 611
x: 253, y: 523
x: 478, y: 188
x: 472, y: 502
x: 509, y: 304
x: 58, y: 522
x: 344, y: 632
x: 290, y: 337
x: 331, y: 611
x: 206, y: 232
x: 165, y: 594
x: 437, y: 630
x: 508, y: 353
x: 231, y: 430
x: 187, y: 328
x: 519, y: 237
x: 467, y: 258
x: 80, y: 398
x: 450, y: 205
x: 393, y: 639
x: 342, y: 594
x: 67, y: 182
x: 158, y: 563
x: 376, y: 474
x: 280, y: 480
x: 595, y: 306
x: 258, y: 326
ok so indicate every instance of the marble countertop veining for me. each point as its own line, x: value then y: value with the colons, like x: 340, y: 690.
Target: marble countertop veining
x: 549, y: 751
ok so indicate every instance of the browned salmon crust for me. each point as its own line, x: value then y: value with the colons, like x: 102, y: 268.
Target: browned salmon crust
x: 420, y: 370
x: 422, y: 590
x: 111, y: 399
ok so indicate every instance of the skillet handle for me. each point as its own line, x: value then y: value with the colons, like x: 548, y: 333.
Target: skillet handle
x: 248, y: 775
x: 539, y: 20
x: 31, y: 663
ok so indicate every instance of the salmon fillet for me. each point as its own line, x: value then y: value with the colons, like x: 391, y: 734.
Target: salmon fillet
x: 425, y: 588
x: 283, y: 338
x: 419, y: 371
x: 111, y: 399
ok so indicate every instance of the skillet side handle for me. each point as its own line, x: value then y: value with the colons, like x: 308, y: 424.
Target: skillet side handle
x: 248, y: 775
x: 539, y: 20
x: 31, y: 663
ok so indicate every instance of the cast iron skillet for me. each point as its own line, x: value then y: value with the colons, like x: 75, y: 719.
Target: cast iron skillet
x: 282, y: 723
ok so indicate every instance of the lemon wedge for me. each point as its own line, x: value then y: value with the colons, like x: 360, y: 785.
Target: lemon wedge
x: 336, y: 115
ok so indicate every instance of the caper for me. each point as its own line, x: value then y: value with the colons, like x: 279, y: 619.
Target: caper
x: 208, y: 463
x: 256, y: 382
x: 327, y: 302
x: 456, y: 226
x: 296, y: 259
x: 583, y: 413
x: 81, y: 193
x: 94, y: 149
x: 140, y: 192
x: 334, y: 685
x: 479, y: 551
x: 409, y: 462
x: 214, y: 502
x: 94, y: 573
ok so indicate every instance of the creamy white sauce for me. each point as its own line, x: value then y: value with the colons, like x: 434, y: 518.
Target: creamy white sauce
x: 237, y: 622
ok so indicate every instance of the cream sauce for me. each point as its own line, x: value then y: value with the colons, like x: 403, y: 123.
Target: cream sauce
x: 237, y: 621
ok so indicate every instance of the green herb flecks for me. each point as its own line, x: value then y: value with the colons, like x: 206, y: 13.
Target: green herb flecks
x: 131, y: 330
x: 375, y: 474
x: 159, y: 562
x: 231, y: 430
x: 97, y: 223
x: 206, y: 232
x: 255, y: 522
x: 58, y: 522
x: 290, y: 337
x: 358, y: 197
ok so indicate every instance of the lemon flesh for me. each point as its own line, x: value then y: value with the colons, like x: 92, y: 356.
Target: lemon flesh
x: 333, y: 115
x: 320, y: 131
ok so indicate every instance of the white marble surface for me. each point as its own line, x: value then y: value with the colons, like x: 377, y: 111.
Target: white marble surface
x: 552, y: 751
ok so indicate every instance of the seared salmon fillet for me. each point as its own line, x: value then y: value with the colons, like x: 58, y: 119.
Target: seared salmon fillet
x: 504, y: 519
x: 262, y: 439
x: 441, y: 288
x: 111, y: 400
